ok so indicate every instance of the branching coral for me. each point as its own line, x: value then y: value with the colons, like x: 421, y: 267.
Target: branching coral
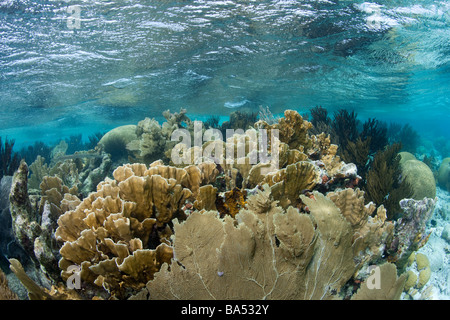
x: 150, y: 142
x: 223, y: 229
x: 84, y: 170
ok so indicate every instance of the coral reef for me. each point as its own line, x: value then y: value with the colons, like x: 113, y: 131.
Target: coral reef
x: 84, y: 170
x: 239, y: 120
x: 292, y: 129
x: 267, y: 116
x: 25, y: 223
x: 34, y: 220
x: 152, y: 140
x: 9, y: 160
x: 383, y: 183
x: 418, y: 274
x: 345, y: 125
x: 270, y: 253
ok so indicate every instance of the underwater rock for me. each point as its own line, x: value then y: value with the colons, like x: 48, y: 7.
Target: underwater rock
x: 444, y: 174
x: 25, y: 226
x: 420, y: 177
x: 446, y: 233
x: 118, y: 234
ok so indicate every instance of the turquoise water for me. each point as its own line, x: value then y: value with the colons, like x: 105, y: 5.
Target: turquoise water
x: 126, y: 60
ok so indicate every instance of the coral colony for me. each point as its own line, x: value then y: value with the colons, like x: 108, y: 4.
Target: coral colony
x: 275, y: 208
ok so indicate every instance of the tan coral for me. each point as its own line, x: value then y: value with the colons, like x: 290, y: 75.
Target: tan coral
x: 385, y: 285
x: 5, y: 292
x: 108, y: 232
x: 206, y: 198
x: 288, y: 183
x: 370, y: 231
x: 267, y: 253
x: 293, y: 129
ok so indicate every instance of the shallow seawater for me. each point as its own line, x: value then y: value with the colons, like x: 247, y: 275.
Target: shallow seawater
x: 74, y: 70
